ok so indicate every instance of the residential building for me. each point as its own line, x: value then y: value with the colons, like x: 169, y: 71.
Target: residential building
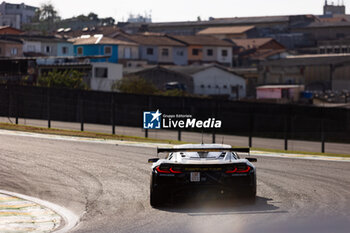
x: 325, y: 31
x: 214, y: 80
x: 237, y: 32
x: 331, y: 9
x: 34, y: 45
x: 104, y: 75
x: 7, y: 30
x: 206, y: 49
x: 158, y: 49
x: 25, y: 12
x: 99, y: 45
x: 250, y: 52
x: 160, y: 76
x: 264, y: 24
x: 317, y: 71
x: 285, y: 93
x: 10, y: 48
x: 10, y: 20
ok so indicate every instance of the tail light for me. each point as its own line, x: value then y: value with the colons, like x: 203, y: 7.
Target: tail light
x: 168, y: 170
x: 238, y: 169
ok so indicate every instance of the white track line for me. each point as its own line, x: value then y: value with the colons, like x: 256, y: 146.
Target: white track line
x: 70, y: 219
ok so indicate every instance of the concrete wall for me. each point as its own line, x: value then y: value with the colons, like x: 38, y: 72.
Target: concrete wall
x: 215, y: 81
x: 10, y: 20
x: 152, y: 58
x: 114, y: 73
x: 31, y: 46
x: 128, y: 52
x: 224, y: 59
x: 69, y: 46
x: 180, y: 56
x: 98, y: 49
x: 214, y: 55
x: 8, y: 49
x: 162, y: 58
x: 52, y: 48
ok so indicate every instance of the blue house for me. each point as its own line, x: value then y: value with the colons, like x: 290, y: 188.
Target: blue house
x: 97, y: 45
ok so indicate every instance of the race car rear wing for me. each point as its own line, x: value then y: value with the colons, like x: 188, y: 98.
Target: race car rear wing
x: 170, y: 150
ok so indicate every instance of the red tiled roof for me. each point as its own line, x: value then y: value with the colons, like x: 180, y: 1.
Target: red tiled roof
x: 153, y: 40
x: 202, y: 40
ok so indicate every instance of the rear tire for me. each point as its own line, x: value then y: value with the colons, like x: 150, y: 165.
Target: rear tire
x: 156, y: 199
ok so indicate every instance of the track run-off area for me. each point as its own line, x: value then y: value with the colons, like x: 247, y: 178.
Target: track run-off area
x: 105, y: 184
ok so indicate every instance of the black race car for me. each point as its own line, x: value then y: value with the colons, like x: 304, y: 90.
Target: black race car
x: 194, y: 168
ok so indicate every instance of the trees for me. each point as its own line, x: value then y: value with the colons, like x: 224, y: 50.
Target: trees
x: 66, y: 79
x: 47, y: 13
x: 138, y: 85
x: 135, y: 85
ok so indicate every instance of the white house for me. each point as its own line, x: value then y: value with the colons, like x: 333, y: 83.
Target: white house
x: 104, y: 74
x: 214, y: 80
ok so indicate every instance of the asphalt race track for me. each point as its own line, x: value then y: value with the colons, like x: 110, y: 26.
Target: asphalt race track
x: 108, y: 187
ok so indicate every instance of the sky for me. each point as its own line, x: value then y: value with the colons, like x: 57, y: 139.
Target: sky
x: 183, y: 10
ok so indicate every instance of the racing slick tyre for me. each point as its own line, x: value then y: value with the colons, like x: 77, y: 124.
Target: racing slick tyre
x: 156, y: 199
x: 251, y: 196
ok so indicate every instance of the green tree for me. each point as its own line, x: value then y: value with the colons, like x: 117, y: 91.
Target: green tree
x: 135, y: 85
x: 67, y: 79
x: 46, y: 13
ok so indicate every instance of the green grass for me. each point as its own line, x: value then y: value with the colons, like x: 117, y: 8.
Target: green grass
x: 53, y: 131
x: 301, y: 152
x: 88, y: 134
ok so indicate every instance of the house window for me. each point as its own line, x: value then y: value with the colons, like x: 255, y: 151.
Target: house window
x: 108, y: 50
x: 322, y: 51
x: 64, y: 50
x: 234, y: 89
x: 195, y: 52
x: 225, y: 86
x: 14, y: 51
x: 202, y: 86
x: 31, y: 48
x: 149, y: 51
x: 165, y: 52
x: 329, y: 50
x: 224, y: 53
x: 0, y: 51
x: 101, y: 72
x: 209, y: 86
x: 48, y: 49
x: 210, y: 52
x: 344, y: 50
x: 80, y: 51
x: 180, y: 53
x: 337, y: 50
x: 127, y: 53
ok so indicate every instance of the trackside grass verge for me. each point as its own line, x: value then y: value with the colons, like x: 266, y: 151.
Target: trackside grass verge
x: 63, y: 132
x: 76, y: 133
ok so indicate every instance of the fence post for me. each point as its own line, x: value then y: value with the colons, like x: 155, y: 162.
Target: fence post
x: 113, y: 113
x: 286, y: 132
x: 48, y: 108
x: 146, y: 133
x: 251, y: 128
x: 81, y: 103
x: 179, y: 135
x: 17, y: 106
x: 323, y: 138
x: 214, y: 138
